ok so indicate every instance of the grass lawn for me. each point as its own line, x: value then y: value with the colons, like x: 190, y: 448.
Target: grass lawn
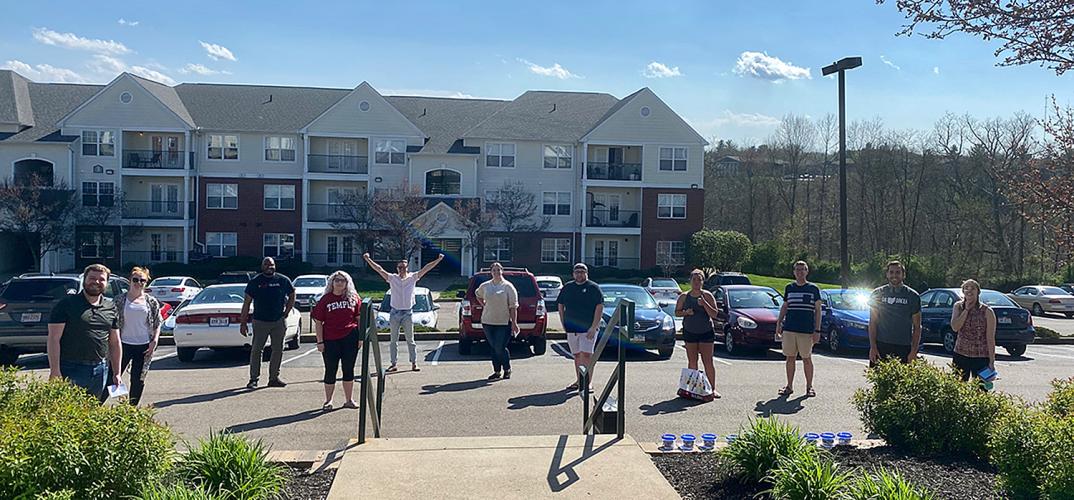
x: 770, y: 281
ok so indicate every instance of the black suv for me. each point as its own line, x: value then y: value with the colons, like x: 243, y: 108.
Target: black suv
x: 720, y: 279
x: 241, y: 277
x: 25, y: 305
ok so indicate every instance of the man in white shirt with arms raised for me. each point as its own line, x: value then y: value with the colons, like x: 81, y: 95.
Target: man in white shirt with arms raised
x: 401, y: 287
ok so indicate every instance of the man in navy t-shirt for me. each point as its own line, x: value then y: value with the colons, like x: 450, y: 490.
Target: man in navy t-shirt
x: 799, y: 326
x: 273, y: 297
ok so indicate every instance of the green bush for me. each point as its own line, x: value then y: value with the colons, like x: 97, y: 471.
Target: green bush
x: 883, y: 484
x: 1060, y: 401
x: 761, y: 446
x: 808, y: 476
x: 56, y: 495
x: 176, y: 491
x: 56, y: 438
x: 719, y: 250
x: 767, y: 259
x: 232, y: 467
x: 927, y: 410
x: 1046, y: 333
x: 1033, y: 450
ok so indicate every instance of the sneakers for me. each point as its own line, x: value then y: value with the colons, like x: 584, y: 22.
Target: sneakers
x: 494, y: 376
x: 277, y: 383
x: 506, y: 374
x: 252, y: 384
x: 327, y: 406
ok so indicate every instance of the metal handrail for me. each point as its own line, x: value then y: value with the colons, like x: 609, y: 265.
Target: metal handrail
x: 623, y: 315
x: 367, y: 401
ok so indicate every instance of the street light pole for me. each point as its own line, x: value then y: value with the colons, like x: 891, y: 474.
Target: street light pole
x: 844, y: 254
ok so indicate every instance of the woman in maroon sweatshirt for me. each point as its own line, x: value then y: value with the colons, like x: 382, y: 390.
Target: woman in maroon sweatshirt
x: 336, y: 319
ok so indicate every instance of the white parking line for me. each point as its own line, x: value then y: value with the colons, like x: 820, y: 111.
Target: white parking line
x: 164, y: 356
x: 1053, y: 348
x: 1048, y: 355
x: 436, y: 357
x: 714, y: 358
x: 307, y: 353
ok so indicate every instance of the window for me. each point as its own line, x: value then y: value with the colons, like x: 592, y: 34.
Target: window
x: 556, y: 250
x: 222, y: 196
x: 557, y: 203
x: 443, y: 182
x: 558, y: 156
x: 670, y: 253
x: 673, y: 159
x: 98, y: 194
x: 97, y: 245
x: 390, y: 152
x: 98, y: 143
x: 499, y: 155
x: 498, y: 248
x: 671, y: 206
x: 280, y: 245
x: 279, y: 196
x: 221, y: 244
x: 223, y: 147
x: 126, y: 98
x: 279, y: 148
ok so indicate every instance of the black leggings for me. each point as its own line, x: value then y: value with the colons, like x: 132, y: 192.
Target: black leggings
x: 134, y: 356
x: 344, y: 350
x: 968, y: 366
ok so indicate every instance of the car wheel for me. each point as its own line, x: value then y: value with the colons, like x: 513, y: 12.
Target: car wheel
x: 1016, y: 350
x: 465, y: 346
x: 666, y: 352
x: 186, y: 354
x: 949, y: 338
x: 729, y: 343
x: 540, y: 345
x: 833, y: 340
x: 1069, y: 315
x: 1038, y: 310
x: 8, y: 357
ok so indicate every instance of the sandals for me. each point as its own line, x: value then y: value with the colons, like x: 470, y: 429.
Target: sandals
x: 573, y: 387
x: 810, y: 393
x: 350, y: 404
x: 786, y: 391
x: 327, y: 406
x: 414, y: 367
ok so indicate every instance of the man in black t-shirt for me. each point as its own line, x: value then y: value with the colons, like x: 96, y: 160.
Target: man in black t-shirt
x: 581, y: 304
x: 83, y: 335
x: 799, y: 326
x: 894, y: 318
x: 273, y: 297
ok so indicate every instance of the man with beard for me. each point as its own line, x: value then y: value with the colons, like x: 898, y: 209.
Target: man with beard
x: 83, y: 332
x: 894, y: 318
x: 273, y: 296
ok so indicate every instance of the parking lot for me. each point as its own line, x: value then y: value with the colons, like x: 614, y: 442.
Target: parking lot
x: 450, y: 396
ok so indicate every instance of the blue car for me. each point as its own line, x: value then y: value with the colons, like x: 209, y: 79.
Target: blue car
x: 653, y: 328
x: 845, y: 323
x: 1014, y: 325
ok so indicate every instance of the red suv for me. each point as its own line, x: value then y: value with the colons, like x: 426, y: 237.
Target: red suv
x: 532, y: 316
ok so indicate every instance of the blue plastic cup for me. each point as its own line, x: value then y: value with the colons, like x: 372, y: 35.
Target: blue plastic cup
x: 827, y: 440
x: 709, y: 440
x: 844, y: 438
x: 731, y: 438
x: 668, y: 440
x: 812, y: 437
x: 688, y: 442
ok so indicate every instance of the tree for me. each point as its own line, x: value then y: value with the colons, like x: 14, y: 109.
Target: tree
x: 476, y: 220
x: 43, y: 214
x: 516, y: 207
x: 394, y: 211
x: 714, y: 251
x: 353, y: 217
x: 1031, y: 31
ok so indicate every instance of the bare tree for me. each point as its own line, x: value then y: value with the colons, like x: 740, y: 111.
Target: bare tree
x: 353, y: 217
x: 517, y: 209
x: 476, y: 219
x: 394, y: 211
x: 42, y: 213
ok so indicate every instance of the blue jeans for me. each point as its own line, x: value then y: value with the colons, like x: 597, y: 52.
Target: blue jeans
x: 402, y: 318
x: 498, y: 335
x: 91, y: 377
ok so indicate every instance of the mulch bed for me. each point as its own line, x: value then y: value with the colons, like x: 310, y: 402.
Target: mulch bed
x: 707, y: 476
x: 303, y: 485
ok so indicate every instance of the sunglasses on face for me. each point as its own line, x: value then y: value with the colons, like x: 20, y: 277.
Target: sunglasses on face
x: 339, y: 280
x: 139, y: 280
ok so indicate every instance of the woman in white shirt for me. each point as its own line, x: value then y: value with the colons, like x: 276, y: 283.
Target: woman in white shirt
x: 139, y: 329
x: 499, y: 318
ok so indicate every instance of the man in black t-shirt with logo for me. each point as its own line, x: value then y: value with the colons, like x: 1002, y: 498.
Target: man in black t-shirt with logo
x: 894, y: 318
x: 581, y: 304
x: 83, y: 336
x: 799, y: 326
x: 273, y: 297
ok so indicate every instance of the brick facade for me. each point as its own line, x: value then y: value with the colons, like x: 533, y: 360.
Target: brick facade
x: 526, y: 250
x: 250, y: 220
x: 654, y: 229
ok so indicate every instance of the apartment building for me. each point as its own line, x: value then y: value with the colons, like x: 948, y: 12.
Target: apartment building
x: 221, y: 170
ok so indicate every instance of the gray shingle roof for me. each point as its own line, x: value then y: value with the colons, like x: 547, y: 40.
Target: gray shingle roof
x: 168, y: 97
x: 15, y: 106
x: 52, y: 101
x: 444, y: 119
x: 545, y: 116
x: 255, y: 108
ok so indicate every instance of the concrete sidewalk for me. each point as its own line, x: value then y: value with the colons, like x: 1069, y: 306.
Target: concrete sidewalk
x: 595, y: 466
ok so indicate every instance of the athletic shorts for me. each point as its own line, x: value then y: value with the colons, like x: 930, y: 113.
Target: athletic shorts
x: 797, y: 344
x: 579, y: 343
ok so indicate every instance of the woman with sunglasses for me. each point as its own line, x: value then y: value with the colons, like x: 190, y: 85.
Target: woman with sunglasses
x: 139, y: 329
x: 336, y: 320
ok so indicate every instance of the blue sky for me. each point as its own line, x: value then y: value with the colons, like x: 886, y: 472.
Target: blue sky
x: 732, y: 69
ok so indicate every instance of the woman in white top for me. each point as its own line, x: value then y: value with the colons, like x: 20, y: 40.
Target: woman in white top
x: 499, y: 318
x: 139, y: 329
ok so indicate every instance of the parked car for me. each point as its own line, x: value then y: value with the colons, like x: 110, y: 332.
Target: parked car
x: 532, y: 317
x: 653, y: 328
x: 174, y: 289
x: 168, y: 326
x: 728, y: 278
x: 1068, y: 287
x: 243, y: 277
x: 549, y: 287
x: 662, y: 289
x: 747, y: 317
x: 1044, y: 299
x: 211, y: 319
x: 1014, y: 325
x: 845, y: 322
x: 25, y: 305
x: 425, y: 309
x: 308, y: 290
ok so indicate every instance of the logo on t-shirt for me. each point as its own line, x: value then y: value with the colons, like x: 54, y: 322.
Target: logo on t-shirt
x: 342, y: 304
x: 897, y: 300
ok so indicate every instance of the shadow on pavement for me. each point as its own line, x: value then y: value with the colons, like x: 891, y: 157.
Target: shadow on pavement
x: 32, y: 361
x: 201, y: 398
x: 938, y: 351
x: 554, y: 398
x: 480, y: 351
x: 275, y: 421
x: 454, y: 387
x: 557, y: 468
x: 779, y: 406
x: 675, y: 405
x: 207, y: 358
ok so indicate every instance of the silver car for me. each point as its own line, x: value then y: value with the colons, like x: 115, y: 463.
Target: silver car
x: 662, y: 289
x: 550, y: 287
x: 1044, y: 299
x: 174, y: 289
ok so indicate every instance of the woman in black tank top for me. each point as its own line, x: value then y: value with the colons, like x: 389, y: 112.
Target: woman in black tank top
x: 697, y: 308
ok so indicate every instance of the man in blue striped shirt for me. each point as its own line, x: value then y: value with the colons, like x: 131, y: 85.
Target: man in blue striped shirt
x: 799, y: 326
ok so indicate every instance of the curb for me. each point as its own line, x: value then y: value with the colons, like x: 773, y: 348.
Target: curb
x: 1058, y: 341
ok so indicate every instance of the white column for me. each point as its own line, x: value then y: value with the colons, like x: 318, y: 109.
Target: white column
x: 189, y: 149
x: 581, y: 228
x: 305, y: 196
x: 186, y: 218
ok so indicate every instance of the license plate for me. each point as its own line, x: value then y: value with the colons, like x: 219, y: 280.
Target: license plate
x: 1004, y: 321
x: 162, y: 292
x: 218, y: 321
x: 638, y: 338
x: 31, y: 317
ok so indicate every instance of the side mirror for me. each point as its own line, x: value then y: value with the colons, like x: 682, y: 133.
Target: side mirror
x: 376, y: 307
x: 436, y: 307
x: 461, y: 294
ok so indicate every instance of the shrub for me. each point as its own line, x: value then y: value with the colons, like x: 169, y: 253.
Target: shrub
x: 1046, y: 333
x: 176, y: 491
x: 233, y: 467
x: 808, y: 475
x: 883, y: 484
x: 56, y: 495
x: 719, y: 250
x: 927, y: 410
x: 760, y: 447
x: 1033, y: 450
x: 1060, y: 401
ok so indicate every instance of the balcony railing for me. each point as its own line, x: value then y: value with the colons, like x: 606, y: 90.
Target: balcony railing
x: 168, y: 210
x: 613, y: 262
x: 612, y: 217
x: 322, y: 259
x: 613, y: 171
x: 321, y: 212
x: 150, y: 256
x: 151, y: 159
x: 338, y: 164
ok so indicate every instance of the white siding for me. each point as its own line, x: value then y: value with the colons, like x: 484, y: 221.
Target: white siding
x: 58, y: 154
x: 346, y: 117
x: 251, y: 162
x: 143, y: 112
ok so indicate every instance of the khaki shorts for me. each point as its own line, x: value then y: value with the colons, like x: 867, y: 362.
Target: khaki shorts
x: 579, y: 343
x: 797, y: 344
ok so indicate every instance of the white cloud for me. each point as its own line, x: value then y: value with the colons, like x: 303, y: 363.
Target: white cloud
x: 151, y: 74
x: 124, y: 22
x: 888, y: 62
x: 73, y: 41
x: 660, y: 70
x: 217, y: 52
x: 108, y: 67
x: 201, y: 69
x: 935, y: 70
x: 453, y: 94
x: 555, y: 71
x: 735, y: 125
x: 766, y: 67
x: 44, y: 72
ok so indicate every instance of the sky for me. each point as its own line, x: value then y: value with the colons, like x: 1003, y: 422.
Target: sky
x: 732, y: 69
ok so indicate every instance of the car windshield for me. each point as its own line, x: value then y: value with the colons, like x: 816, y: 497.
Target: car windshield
x: 523, y: 283
x: 38, y: 290
x: 994, y: 298
x: 664, y: 283
x: 641, y: 298
x: 755, y: 299
x: 547, y: 284
x: 421, y: 303
x: 1052, y: 290
x: 850, y: 301
x: 166, y: 282
x: 733, y: 279
x: 220, y: 295
x: 310, y: 282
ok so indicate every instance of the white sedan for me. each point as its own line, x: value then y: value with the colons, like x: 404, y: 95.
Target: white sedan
x: 308, y: 289
x: 424, y: 311
x: 174, y: 289
x: 212, y: 320
x: 550, y: 287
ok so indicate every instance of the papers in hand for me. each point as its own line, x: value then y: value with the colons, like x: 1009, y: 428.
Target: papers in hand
x: 115, y: 391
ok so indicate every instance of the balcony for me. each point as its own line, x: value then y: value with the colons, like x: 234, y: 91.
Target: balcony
x: 338, y: 164
x: 161, y: 210
x: 322, y: 259
x: 153, y: 160
x: 613, y: 262
x: 613, y: 218
x: 150, y: 256
x: 322, y: 212
x: 613, y: 171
